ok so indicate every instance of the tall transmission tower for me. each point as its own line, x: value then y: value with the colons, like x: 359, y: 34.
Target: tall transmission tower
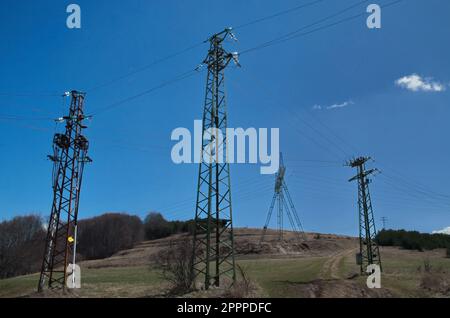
x: 69, y: 156
x: 213, y: 245
x: 369, y: 252
x: 279, y: 199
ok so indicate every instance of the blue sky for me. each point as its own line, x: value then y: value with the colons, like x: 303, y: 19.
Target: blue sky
x: 405, y: 131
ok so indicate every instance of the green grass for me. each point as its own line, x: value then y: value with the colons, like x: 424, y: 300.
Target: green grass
x: 400, y: 270
x: 275, y: 276
x: 103, y: 282
x: 18, y: 286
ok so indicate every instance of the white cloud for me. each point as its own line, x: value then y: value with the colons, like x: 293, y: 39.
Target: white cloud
x: 443, y: 231
x: 334, y: 106
x: 342, y: 105
x: 416, y: 83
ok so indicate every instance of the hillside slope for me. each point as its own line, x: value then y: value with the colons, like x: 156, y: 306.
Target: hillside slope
x: 323, y: 266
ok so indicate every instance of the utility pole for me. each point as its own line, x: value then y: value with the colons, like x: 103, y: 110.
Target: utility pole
x: 69, y: 156
x: 279, y: 199
x: 384, y: 221
x: 368, y: 248
x: 213, y: 245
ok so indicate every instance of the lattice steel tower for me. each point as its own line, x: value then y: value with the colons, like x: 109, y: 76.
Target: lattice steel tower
x: 69, y: 156
x: 279, y: 198
x: 369, y: 252
x: 213, y: 246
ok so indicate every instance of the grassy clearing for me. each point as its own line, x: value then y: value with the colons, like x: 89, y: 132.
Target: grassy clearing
x: 103, y: 282
x: 401, y: 274
x: 273, y: 275
x: 276, y: 277
x: 18, y: 286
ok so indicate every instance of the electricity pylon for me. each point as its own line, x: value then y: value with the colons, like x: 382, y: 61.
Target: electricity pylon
x: 69, y: 156
x: 279, y: 198
x: 384, y: 221
x: 213, y: 246
x: 369, y: 252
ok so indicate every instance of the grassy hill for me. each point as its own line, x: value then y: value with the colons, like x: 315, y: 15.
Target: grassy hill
x: 324, y: 268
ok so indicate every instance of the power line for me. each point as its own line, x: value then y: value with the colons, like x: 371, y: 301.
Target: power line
x: 321, y: 134
x: 193, y: 72
x: 23, y: 118
x: 146, y: 67
x: 333, y: 133
x: 414, y: 184
x: 146, y: 92
x: 419, y: 195
x: 278, y: 14
x: 296, y: 34
x: 194, y: 46
x: 4, y: 94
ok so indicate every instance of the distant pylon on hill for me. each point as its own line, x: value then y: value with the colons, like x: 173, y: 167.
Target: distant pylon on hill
x: 284, y: 203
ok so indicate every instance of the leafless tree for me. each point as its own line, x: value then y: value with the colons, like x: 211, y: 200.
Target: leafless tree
x: 21, y: 245
x: 102, y: 236
x: 175, y: 265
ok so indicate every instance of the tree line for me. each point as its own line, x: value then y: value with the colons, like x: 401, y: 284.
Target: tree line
x: 22, y: 239
x: 413, y: 240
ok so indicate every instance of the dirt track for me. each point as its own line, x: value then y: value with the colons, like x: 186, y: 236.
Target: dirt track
x: 330, y: 269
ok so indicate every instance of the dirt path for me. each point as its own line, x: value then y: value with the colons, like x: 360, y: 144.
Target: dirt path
x: 330, y: 269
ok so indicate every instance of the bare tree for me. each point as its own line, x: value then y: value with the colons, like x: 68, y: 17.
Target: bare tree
x: 21, y: 245
x: 102, y: 236
x: 175, y: 265
x: 243, y: 286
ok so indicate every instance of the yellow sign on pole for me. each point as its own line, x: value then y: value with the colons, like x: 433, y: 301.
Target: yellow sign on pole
x: 70, y: 239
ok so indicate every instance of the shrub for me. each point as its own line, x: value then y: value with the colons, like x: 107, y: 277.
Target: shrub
x: 243, y: 287
x: 175, y: 264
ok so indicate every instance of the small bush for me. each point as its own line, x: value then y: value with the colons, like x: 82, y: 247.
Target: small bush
x: 175, y: 264
x: 427, y: 267
x: 243, y: 287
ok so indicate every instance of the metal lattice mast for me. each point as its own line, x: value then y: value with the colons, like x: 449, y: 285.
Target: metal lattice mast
x: 368, y: 248
x: 284, y: 203
x: 69, y: 156
x: 213, y: 246
x: 384, y: 221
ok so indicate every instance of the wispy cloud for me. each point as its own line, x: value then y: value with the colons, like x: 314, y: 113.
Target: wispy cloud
x: 342, y: 105
x: 334, y: 106
x: 417, y: 83
x: 443, y: 231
